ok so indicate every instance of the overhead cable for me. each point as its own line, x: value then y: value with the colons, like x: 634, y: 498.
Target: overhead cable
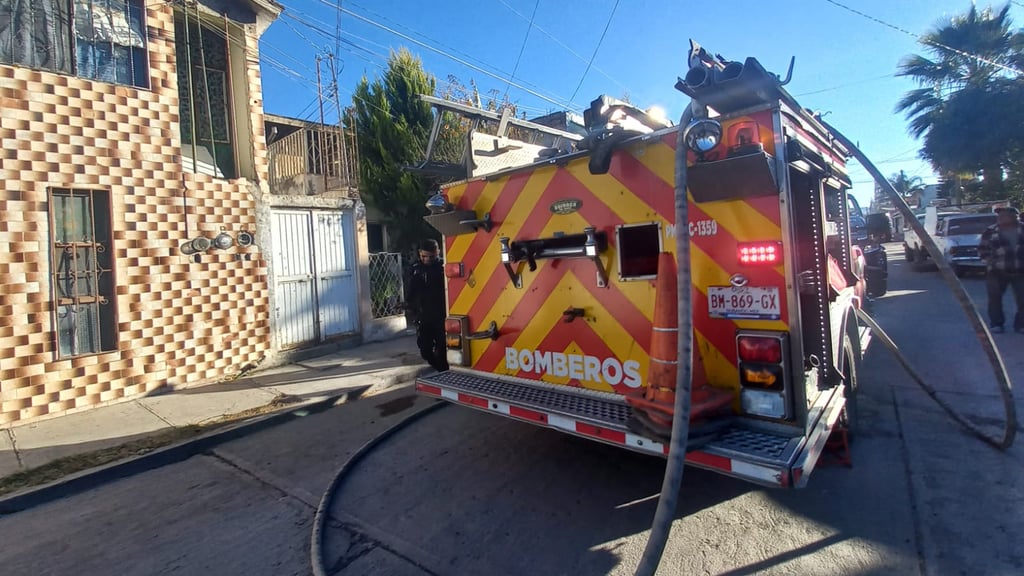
x: 596, y: 48
x: 924, y: 40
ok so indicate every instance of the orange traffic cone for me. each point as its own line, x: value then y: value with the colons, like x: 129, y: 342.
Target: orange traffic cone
x: 657, y: 401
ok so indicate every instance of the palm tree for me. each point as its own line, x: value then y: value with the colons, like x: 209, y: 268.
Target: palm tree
x: 907, y: 186
x: 975, y: 71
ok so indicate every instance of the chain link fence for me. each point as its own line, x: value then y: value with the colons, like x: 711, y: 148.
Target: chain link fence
x: 386, y: 287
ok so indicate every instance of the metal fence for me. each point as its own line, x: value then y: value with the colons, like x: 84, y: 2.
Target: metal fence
x: 328, y: 153
x: 386, y: 287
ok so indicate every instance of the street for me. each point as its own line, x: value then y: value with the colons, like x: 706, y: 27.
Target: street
x: 465, y: 493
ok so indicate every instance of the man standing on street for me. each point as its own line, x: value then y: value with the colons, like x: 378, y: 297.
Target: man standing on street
x: 427, y: 302
x: 1002, y: 249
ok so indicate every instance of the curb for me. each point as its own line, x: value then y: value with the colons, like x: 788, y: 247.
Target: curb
x: 91, y: 478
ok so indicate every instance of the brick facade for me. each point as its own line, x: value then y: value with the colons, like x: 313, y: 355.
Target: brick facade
x: 179, y: 322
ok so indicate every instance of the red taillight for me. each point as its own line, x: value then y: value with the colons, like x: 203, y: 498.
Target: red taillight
x: 760, y: 349
x: 453, y: 325
x: 453, y: 269
x: 760, y: 253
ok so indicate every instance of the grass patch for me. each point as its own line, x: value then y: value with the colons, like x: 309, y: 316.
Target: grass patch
x: 78, y: 462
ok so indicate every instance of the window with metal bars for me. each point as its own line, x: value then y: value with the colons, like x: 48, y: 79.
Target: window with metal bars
x: 99, y: 39
x: 82, y: 273
x: 205, y: 95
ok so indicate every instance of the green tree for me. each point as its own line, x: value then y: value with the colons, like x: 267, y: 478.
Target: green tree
x: 392, y: 126
x: 968, y: 106
x: 907, y: 186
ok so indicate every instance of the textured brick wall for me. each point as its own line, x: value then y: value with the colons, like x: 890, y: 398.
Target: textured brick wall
x: 179, y: 322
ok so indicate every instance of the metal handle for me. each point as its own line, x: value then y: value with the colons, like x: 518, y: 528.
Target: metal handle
x: 491, y: 332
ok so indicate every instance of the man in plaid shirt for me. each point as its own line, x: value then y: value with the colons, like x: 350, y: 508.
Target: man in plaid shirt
x: 1002, y: 249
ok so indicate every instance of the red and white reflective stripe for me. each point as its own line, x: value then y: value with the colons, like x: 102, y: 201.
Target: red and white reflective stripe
x: 732, y: 467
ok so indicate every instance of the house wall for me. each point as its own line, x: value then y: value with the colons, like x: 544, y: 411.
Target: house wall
x: 180, y: 322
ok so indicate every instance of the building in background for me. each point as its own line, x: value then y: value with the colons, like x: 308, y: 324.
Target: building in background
x: 146, y: 238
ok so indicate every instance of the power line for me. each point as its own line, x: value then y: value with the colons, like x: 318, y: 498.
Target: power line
x: 596, y: 48
x: 337, y: 34
x: 563, y: 45
x: 317, y: 26
x: 522, y: 48
x: 847, y: 85
x: 320, y: 28
x: 566, y: 105
x: 358, y: 50
x: 923, y: 40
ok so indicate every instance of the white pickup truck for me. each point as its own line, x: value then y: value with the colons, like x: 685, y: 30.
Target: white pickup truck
x: 956, y: 234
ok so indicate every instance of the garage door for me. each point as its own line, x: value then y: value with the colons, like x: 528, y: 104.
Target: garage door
x: 315, y: 296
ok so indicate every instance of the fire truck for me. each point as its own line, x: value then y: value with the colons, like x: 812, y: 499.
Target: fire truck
x: 561, y: 272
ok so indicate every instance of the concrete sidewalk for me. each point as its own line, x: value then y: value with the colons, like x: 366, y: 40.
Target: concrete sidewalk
x: 357, y: 371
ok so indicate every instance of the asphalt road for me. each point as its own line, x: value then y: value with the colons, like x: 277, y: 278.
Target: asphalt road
x: 464, y: 493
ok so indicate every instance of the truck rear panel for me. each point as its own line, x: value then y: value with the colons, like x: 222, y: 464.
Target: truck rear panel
x: 556, y: 272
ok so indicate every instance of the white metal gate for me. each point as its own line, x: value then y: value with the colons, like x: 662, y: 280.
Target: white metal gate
x: 315, y: 294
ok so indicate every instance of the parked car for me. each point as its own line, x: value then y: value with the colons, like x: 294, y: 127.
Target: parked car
x: 913, y: 248
x: 869, y: 238
x: 959, y: 237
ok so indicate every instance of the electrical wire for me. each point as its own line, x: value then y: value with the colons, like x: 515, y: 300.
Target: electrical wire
x: 522, y: 48
x: 596, y: 48
x: 847, y: 85
x: 320, y: 28
x: 563, y: 45
x: 924, y: 40
x: 454, y: 50
x: 337, y: 32
x: 566, y: 105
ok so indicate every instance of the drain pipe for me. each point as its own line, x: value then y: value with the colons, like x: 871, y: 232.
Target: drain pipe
x: 977, y: 323
x: 670, y: 484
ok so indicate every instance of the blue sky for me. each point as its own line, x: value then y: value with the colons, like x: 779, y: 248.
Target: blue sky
x: 845, y: 61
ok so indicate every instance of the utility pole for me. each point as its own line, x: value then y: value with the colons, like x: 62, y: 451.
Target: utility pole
x: 344, y: 170
x: 320, y: 132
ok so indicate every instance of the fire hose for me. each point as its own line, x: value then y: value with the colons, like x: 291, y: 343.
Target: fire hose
x: 977, y: 323
x: 669, y: 498
x: 670, y: 484
x: 672, y: 480
x: 316, y: 544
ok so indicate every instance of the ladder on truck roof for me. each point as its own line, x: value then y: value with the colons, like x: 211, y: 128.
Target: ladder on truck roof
x: 492, y: 141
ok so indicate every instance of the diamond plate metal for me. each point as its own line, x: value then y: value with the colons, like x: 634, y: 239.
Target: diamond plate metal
x: 739, y: 443
x: 745, y: 441
x: 608, y: 412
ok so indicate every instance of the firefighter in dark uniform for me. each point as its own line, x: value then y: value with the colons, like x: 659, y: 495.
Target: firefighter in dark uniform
x: 427, y: 302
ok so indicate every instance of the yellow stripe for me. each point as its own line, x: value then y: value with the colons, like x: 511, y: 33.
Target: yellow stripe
x: 490, y: 262
x: 613, y: 193
x: 568, y: 292
x: 484, y: 203
x: 720, y: 371
x: 640, y: 293
x: 740, y: 219
x: 660, y: 159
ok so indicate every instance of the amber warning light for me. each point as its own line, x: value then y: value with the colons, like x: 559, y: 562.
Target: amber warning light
x: 769, y: 253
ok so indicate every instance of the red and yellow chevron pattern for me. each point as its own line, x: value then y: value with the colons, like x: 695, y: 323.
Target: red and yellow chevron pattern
x: 638, y: 188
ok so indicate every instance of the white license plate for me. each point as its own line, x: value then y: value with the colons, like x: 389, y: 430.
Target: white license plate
x: 748, y: 302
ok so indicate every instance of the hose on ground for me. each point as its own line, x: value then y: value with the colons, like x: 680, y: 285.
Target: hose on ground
x: 323, y: 510
x: 662, y: 524
x: 960, y: 293
x: 956, y: 416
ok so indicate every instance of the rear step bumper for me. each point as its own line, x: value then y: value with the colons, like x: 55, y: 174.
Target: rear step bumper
x: 741, y: 451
